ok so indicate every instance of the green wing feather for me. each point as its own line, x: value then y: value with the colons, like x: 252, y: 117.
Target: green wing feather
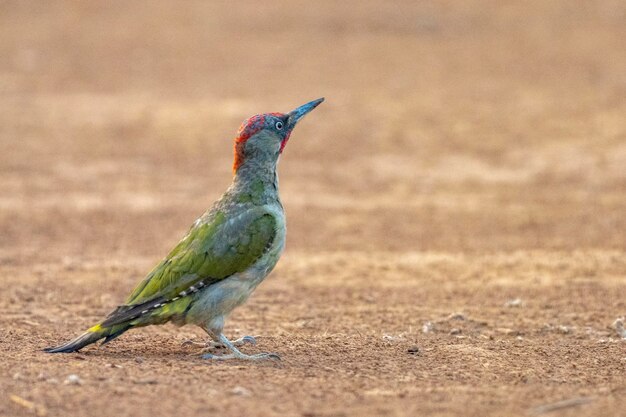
x: 212, y: 250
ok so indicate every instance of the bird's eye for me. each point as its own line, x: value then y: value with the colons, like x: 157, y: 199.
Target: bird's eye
x: 279, y: 125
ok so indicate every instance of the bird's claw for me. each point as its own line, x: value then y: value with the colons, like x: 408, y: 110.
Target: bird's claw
x: 247, y: 339
x: 190, y: 342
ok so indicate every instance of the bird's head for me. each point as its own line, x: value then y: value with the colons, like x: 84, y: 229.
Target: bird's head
x: 262, y: 137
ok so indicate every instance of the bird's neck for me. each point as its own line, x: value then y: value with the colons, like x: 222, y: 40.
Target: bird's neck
x: 256, y: 183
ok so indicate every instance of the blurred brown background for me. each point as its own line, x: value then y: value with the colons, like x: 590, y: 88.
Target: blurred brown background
x: 468, y: 153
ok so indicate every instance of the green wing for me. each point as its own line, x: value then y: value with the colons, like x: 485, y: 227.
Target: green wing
x: 211, y: 251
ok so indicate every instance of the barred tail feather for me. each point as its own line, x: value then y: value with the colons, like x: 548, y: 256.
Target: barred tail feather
x: 90, y: 336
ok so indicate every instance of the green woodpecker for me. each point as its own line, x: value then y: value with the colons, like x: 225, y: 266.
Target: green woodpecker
x: 225, y: 255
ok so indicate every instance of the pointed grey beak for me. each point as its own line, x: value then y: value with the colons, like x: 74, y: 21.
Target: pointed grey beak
x: 301, y: 111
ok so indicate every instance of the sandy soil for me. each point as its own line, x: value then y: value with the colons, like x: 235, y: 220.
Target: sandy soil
x: 456, y: 207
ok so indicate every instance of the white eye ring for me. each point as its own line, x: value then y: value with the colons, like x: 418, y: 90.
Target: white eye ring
x: 279, y: 125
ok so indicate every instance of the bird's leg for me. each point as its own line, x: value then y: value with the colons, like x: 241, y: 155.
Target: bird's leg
x: 236, y: 354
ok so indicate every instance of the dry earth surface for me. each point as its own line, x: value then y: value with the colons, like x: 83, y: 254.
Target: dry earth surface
x: 456, y: 207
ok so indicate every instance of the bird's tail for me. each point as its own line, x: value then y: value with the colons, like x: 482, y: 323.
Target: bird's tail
x: 92, y: 335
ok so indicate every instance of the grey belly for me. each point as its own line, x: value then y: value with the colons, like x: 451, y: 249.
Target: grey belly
x: 219, y: 299
x: 214, y: 303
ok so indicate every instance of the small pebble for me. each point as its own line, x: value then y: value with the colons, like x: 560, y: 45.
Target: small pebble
x: 427, y: 327
x: 238, y: 390
x: 619, y: 327
x: 413, y: 350
x: 455, y: 331
x: 516, y: 302
x: 146, y: 382
x: 390, y: 338
x: 456, y: 316
x: 564, y: 329
x: 73, y: 379
x: 507, y: 331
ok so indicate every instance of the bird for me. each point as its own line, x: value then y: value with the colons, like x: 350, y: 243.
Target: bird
x: 225, y: 255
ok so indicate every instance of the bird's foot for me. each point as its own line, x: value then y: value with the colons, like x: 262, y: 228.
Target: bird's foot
x: 236, y: 353
x: 212, y: 344
x: 240, y: 355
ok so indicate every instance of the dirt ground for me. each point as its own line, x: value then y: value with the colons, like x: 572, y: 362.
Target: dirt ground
x: 456, y: 208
